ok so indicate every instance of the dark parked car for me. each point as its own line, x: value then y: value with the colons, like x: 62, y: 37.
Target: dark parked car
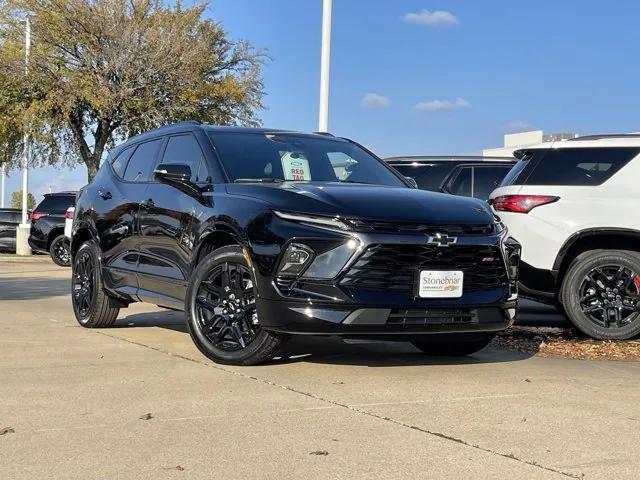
x: 9, y: 220
x: 47, y: 227
x: 258, y: 234
x: 467, y: 176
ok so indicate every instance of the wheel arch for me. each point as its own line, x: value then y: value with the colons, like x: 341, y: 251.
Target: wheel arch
x: 593, y: 239
x: 216, y: 236
x: 80, y: 235
x: 54, y: 233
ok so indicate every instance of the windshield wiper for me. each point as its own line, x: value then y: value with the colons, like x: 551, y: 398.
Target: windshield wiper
x: 258, y: 180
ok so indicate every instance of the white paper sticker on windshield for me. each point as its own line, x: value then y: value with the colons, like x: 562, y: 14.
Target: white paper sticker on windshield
x: 295, y: 167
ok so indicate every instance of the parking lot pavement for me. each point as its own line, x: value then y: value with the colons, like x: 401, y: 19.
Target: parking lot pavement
x: 139, y: 401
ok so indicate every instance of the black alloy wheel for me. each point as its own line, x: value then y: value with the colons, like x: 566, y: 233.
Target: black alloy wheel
x: 609, y: 295
x: 601, y: 294
x: 221, y: 314
x: 226, y: 307
x: 59, y: 250
x: 92, y: 306
x: 83, y: 283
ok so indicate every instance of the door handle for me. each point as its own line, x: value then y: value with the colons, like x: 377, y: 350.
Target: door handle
x: 148, y: 203
x: 105, y: 195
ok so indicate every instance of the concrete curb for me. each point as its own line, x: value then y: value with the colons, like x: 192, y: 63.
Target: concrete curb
x: 29, y: 259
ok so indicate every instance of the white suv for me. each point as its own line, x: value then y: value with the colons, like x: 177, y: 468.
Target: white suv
x: 575, y: 208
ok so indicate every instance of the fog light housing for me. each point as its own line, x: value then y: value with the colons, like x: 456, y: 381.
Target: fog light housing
x: 328, y: 264
x: 295, y: 260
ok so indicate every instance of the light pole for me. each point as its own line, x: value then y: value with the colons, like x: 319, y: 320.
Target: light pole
x: 2, y: 192
x: 22, y: 233
x: 325, y: 56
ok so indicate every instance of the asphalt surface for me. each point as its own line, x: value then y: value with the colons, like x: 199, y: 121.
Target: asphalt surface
x: 139, y: 401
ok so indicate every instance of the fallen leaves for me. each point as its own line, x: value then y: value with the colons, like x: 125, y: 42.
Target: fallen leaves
x: 146, y: 416
x: 567, y: 343
x: 5, y: 430
x: 321, y: 453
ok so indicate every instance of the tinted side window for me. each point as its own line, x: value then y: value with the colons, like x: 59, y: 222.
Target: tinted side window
x: 142, y: 161
x: 186, y: 150
x: 487, y: 179
x: 120, y: 162
x: 56, y: 203
x: 579, y: 166
x: 461, y: 184
x: 428, y: 176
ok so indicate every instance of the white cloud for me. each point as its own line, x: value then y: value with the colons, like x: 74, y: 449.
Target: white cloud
x: 373, y: 100
x: 440, y: 105
x: 437, y: 18
x: 518, y: 126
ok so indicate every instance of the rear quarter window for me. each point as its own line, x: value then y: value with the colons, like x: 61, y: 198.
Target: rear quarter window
x: 577, y: 166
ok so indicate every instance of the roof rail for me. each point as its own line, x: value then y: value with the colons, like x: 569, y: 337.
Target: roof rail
x: 605, y: 135
x: 326, y: 134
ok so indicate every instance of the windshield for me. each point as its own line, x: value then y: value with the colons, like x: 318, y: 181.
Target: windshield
x: 291, y: 157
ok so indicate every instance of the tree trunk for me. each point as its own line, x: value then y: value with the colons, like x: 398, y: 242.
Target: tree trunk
x: 93, y: 164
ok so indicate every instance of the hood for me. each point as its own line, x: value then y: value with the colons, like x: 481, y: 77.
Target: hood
x: 369, y: 202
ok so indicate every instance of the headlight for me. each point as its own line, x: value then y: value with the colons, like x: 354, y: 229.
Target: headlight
x: 326, y: 222
x: 328, y: 264
x: 295, y: 259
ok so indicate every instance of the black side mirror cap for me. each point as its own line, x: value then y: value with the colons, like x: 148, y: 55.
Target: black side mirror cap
x: 173, y: 173
x: 412, y: 181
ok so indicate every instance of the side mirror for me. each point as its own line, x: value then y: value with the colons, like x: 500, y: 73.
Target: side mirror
x: 412, y: 181
x: 173, y: 173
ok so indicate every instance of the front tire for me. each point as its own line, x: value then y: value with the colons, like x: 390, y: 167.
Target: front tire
x: 91, y: 305
x: 60, y: 251
x: 601, y: 294
x: 221, y: 314
x: 455, y: 347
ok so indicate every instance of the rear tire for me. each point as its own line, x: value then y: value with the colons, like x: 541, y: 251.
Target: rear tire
x: 463, y: 347
x: 91, y: 305
x: 229, y: 332
x: 60, y: 251
x: 595, y: 300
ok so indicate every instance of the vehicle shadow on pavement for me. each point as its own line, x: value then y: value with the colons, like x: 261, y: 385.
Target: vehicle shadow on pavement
x: 169, y: 319
x: 21, y: 288
x: 336, y: 351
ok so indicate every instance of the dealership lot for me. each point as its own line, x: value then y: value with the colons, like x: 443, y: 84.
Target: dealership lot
x: 139, y: 401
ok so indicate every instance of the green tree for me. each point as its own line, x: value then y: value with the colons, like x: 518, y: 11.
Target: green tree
x: 103, y: 70
x: 16, y: 200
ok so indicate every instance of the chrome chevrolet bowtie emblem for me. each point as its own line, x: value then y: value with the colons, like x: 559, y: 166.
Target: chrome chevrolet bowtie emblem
x: 441, y: 240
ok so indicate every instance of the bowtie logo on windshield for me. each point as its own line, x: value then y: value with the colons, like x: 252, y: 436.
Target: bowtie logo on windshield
x: 442, y: 240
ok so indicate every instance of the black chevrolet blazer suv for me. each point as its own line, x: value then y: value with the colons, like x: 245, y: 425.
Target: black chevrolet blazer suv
x: 258, y: 234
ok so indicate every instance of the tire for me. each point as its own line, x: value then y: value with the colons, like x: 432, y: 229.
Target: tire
x: 453, y: 348
x: 98, y: 311
x: 60, y: 251
x: 618, y: 319
x: 213, y: 331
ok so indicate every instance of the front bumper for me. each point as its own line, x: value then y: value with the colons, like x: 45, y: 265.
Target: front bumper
x: 380, y: 321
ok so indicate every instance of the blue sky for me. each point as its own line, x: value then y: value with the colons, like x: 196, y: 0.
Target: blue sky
x: 437, y: 77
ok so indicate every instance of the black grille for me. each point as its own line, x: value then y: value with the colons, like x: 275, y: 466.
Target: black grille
x: 419, y: 228
x: 395, y: 267
x: 432, y: 317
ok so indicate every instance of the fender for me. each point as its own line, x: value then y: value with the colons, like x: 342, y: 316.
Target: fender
x: 592, y: 232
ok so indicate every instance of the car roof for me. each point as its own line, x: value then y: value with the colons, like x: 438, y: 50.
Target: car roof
x: 191, y: 125
x: 449, y: 158
x: 588, y: 141
x: 54, y: 194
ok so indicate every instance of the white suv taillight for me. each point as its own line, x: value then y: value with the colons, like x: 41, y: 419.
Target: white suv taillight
x: 521, y: 203
x: 69, y: 213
